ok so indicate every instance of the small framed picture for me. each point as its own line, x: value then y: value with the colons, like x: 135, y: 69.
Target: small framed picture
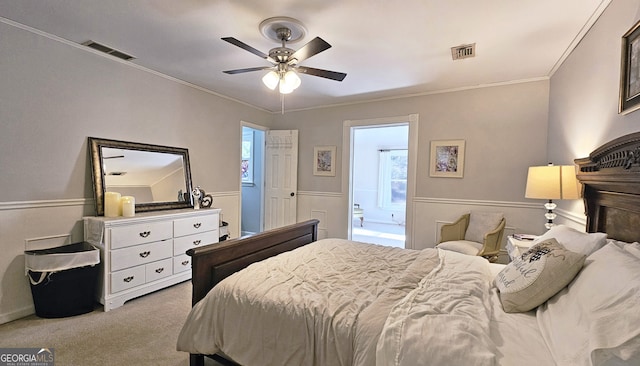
x: 447, y: 158
x: 630, y: 71
x: 324, y: 161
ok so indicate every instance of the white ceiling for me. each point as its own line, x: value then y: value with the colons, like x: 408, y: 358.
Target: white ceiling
x: 387, y: 48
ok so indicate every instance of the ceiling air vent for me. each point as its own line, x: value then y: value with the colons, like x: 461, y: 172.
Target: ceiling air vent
x: 102, y: 48
x: 464, y: 51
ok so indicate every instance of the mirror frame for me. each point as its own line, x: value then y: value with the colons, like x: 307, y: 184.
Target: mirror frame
x: 95, y: 145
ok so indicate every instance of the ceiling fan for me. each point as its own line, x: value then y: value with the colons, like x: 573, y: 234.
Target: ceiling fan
x: 285, y: 60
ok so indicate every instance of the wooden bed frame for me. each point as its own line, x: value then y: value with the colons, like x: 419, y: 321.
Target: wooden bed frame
x: 611, y: 189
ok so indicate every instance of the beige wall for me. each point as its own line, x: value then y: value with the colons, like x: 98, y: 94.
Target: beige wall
x: 494, y: 121
x: 505, y: 130
x: 54, y: 95
x: 583, y: 107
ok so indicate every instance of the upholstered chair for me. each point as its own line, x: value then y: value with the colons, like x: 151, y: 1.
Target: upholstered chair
x: 475, y: 233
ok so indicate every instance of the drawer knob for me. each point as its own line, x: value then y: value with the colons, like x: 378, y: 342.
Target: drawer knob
x: 197, y: 242
x: 184, y: 263
x: 159, y: 270
x: 144, y: 234
x: 145, y: 254
x: 197, y: 225
x: 128, y: 279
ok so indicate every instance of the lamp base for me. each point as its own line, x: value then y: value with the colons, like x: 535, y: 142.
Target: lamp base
x: 550, y: 215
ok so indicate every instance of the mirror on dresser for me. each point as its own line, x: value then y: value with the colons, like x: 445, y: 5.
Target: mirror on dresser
x: 159, y: 177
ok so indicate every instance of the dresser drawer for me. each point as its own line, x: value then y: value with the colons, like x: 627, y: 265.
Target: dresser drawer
x: 140, y: 254
x: 157, y: 270
x: 181, y: 263
x: 184, y: 243
x: 126, y: 236
x: 194, y: 225
x: 127, y: 278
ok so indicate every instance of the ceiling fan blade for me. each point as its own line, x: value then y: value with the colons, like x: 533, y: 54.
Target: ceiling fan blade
x: 333, y: 75
x: 314, y: 47
x: 246, y: 47
x: 249, y: 69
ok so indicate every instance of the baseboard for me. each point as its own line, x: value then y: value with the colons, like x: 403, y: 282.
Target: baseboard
x: 15, y: 315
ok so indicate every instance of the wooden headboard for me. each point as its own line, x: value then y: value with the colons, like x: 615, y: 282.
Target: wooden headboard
x: 611, y: 188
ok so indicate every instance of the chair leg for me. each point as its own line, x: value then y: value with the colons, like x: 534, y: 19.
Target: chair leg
x: 491, y: 258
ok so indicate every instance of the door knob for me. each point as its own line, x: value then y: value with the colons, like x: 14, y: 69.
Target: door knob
x: 292, y: 194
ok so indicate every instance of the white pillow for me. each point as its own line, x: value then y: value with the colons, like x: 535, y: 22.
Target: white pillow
x: 633, y: 248
x: 536, y: 275
x: 595, y: 320
x: 461, y: 246
x: 481, y: 223
x: 574, y: 240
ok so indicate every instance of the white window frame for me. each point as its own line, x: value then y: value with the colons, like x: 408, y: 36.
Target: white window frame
x: 384, y: 178
x: 247, y: 154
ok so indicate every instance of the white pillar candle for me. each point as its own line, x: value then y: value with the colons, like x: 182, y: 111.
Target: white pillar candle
x: 111, y: 204
x: 128, y: 206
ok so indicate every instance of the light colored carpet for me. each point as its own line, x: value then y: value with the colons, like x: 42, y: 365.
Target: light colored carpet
x: 142, y: 332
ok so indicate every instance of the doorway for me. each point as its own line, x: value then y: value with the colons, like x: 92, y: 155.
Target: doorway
x: 252, y: 179
x: 379, y: 180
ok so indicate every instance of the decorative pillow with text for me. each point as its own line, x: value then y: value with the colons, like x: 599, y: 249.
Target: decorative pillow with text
x: 535, y: 276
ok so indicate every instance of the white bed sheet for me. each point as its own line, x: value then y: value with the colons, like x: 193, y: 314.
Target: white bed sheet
x: 517, y: 336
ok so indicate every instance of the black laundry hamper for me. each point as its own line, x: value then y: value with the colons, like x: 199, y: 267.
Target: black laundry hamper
x: 63, y: 279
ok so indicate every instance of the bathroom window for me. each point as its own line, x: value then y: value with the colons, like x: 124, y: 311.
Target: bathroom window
x: 246, y: 165
x: 392, y: 182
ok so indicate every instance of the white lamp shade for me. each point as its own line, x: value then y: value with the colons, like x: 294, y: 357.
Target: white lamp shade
x: 552, y: 182
x: 271, y: 80
x: 570, y: 184
x: 285, y: 88
x: 292, y: 79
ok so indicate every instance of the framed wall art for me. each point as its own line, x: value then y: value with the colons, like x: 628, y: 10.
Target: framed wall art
x: 324, y: 160
x: 447, y: 158
x: 630, y: 71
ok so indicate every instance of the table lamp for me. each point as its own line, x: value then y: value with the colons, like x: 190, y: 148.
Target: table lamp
x: 552, y: 182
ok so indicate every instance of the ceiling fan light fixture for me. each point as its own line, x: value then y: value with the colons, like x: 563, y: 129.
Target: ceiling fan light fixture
x: 285, y: 88
x: 292, y: 79
x: 284, y: 60
x: 271, y: 79
x: 289, y: 82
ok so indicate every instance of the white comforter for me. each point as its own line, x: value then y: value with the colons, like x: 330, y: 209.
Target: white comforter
x: 339, y: 302
x: 443, y: 321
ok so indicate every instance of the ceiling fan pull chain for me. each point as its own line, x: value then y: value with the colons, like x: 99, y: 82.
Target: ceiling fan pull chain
x: 282, y: 102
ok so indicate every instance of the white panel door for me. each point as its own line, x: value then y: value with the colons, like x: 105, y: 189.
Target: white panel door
x: 281, y: 178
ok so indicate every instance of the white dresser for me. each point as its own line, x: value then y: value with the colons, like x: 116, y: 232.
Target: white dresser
x: 147, y: 252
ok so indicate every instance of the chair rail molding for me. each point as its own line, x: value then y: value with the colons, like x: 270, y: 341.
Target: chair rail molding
x: 18, y: 205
